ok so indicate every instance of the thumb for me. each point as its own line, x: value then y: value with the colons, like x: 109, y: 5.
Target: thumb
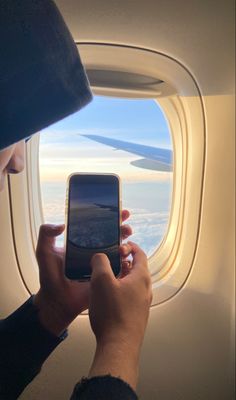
x: 101, y: 268
x: 47, y: 235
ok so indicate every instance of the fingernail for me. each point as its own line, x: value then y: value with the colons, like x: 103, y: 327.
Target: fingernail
x: 58, y: 226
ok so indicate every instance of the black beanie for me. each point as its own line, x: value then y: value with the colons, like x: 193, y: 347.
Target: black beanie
x: 42, y: 79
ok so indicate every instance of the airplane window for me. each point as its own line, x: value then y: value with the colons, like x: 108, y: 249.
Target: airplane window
x: 129, y: 137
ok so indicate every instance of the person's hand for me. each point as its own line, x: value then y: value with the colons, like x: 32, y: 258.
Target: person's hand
x: 118, y: 312
x: 59, y: 300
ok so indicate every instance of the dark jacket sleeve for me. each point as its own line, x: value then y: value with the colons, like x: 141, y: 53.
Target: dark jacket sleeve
x: 103, y: 388
x: 24, y: 346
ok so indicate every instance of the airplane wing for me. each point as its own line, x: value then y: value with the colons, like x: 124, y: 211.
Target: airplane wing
x: 155, y: 158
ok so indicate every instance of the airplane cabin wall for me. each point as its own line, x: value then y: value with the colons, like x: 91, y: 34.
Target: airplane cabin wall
x: 189, y: 344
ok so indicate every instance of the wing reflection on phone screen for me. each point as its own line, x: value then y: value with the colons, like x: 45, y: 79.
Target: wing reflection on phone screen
x: 93, y: 223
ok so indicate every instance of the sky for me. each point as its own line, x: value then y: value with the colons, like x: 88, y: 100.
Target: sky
x: 136, y: 120
x: 63, y: 150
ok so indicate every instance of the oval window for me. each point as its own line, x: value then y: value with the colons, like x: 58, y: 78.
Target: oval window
x: 129, y: 137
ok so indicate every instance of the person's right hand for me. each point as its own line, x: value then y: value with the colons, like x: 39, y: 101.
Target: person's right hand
x: 59, y: 299
x: 118, y: 312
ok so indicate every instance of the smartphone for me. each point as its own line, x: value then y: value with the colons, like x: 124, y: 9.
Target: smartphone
x: 93, y: 223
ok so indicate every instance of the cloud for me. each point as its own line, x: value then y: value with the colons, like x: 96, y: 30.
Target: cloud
x: 53, y: 135
x: 64, y: 152
x: 100, y: 159
x: 149, y: 227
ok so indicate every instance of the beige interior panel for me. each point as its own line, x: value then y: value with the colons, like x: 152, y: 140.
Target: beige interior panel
x: 188, y: 352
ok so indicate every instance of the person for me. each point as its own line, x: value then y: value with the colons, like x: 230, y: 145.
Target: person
x: 42, y: 81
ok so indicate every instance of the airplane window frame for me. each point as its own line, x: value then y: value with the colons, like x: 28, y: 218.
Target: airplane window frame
x: 160, y: 174
x: 171, y: 265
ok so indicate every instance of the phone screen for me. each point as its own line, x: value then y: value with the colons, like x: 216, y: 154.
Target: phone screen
x: 93, y: 224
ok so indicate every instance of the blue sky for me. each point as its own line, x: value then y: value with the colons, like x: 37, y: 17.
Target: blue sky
x: 146, y: 193
x: 64, y: 150
x: 139, y: 121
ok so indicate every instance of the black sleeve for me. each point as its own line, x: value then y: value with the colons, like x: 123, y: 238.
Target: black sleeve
x: 103, y: 388
x: 24, y: 346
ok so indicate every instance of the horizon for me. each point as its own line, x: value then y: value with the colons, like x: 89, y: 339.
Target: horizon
x: 146, y: 193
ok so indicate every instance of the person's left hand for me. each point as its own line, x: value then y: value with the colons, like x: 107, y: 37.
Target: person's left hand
x: 59, y: 299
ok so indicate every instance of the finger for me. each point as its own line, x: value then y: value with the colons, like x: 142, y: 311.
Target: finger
x: 126, y: 231
x: 125, y: 215
x: 47, y: 235
x: 139, y: 271
x: 60, y: 251
x: 101, y: 268
x: 82, y: 288
x: 126, y: 267
x: 125, y: 250
x: 139, y: 257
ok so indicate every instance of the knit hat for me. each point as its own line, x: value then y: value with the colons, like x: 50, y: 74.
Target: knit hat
x: 42, y: 79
